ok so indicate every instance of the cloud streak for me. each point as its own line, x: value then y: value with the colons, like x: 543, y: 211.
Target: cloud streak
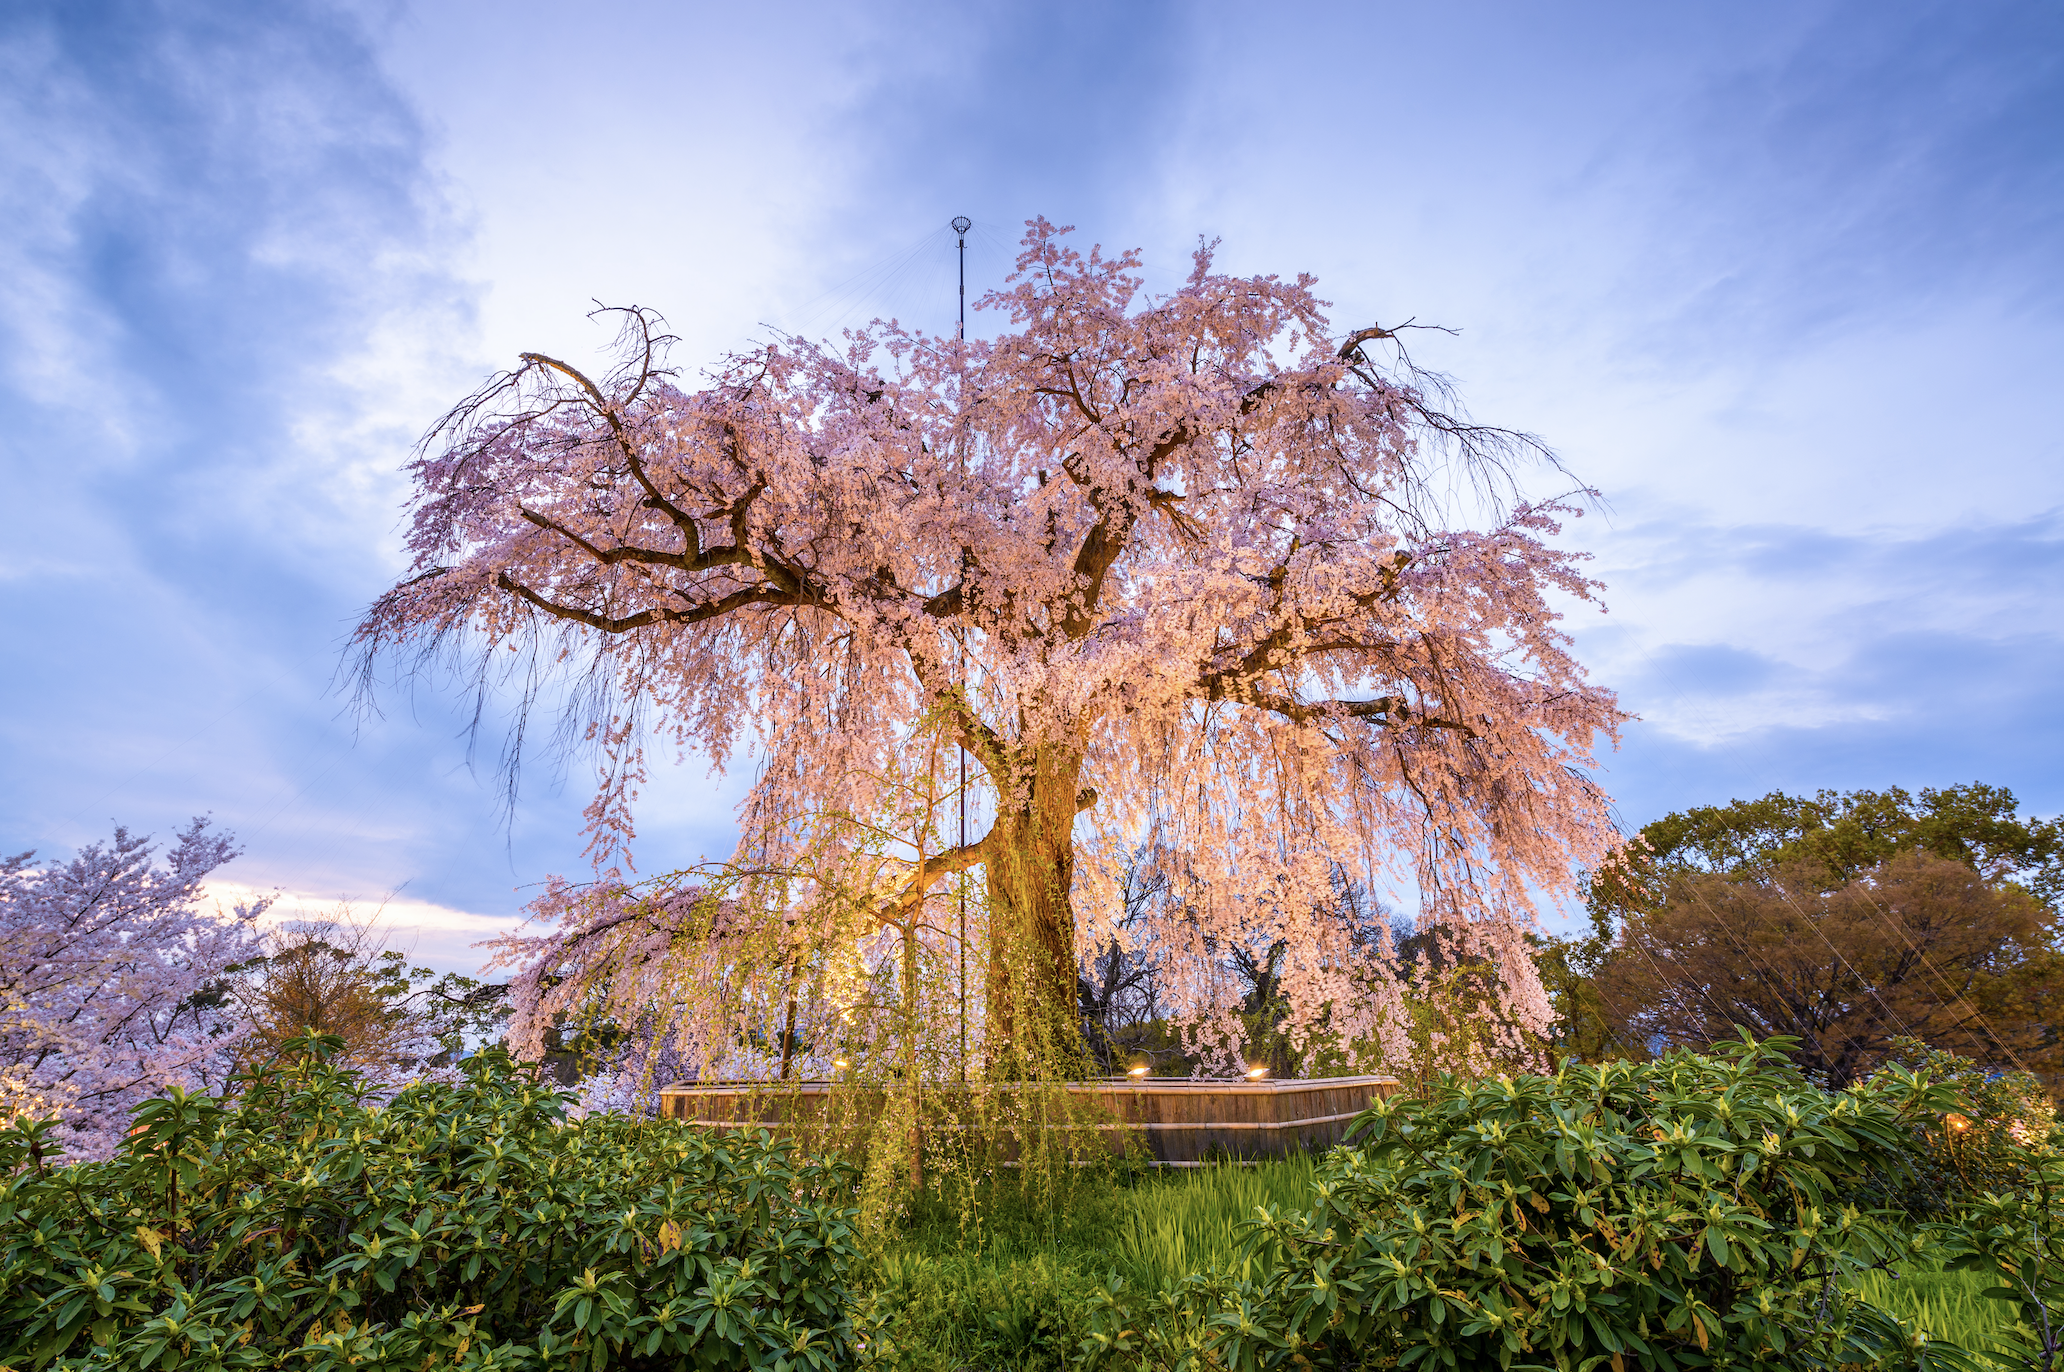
x: 1784, y: 657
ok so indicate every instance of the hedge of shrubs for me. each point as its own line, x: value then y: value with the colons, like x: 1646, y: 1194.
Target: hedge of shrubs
x: 1692, y: 1212
x: 468, y: 1226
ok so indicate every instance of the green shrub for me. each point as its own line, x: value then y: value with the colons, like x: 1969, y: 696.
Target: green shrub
x: 1684, y: 1213
x: 1981, y: 1143
x: 2015, y: 1238
x: 468, y: 1226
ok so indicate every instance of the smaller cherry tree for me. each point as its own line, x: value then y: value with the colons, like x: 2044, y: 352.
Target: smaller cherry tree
x: 111, y: 981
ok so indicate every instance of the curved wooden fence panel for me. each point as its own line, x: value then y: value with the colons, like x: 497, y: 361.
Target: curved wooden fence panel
x: 1177, y: 1121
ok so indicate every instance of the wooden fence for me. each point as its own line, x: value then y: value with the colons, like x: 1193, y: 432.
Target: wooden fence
x: 1178, y: 1121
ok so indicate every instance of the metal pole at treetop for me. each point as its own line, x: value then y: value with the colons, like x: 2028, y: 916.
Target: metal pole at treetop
x: 961, y: 225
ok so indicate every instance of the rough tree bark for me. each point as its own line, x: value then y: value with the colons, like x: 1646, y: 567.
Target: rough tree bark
x: 1029, y: 871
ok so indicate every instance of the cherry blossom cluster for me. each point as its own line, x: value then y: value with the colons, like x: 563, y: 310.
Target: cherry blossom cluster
x: 111, y: 969
x: 1194, y: 576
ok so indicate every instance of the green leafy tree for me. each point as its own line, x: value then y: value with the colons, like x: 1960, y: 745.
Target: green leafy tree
x: 1585, y: 1027
x: 1839, y: 836
x: 1919, y: 947
x: 336, y: 976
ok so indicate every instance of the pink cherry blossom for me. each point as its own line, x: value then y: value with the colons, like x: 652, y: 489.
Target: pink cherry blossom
x: 1193, y: 576
x: 109, y: 982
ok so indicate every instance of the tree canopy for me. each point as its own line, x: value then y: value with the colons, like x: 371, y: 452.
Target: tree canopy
x: 1841, y: 835
x: 335, y: 977
x: 1192, y: 573
x: 1918, y: 946
x: 1846, y: 920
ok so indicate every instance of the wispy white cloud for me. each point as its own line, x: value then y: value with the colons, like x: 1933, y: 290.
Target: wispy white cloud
x: 428, y: 934
x: 1789, y: 657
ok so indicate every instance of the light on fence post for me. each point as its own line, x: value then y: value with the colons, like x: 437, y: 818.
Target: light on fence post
x: 1257, y: 1071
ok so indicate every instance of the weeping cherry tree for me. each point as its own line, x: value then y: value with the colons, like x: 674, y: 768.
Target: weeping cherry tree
x: 1191, y: 574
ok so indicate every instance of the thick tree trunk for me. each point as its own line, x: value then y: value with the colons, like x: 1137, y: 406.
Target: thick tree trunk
x: 1032, y: 1028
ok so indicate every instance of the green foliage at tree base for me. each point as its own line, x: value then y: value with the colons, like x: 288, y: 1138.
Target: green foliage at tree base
x: 1008, y: 1282
x: 469, y: 1226
x: 1684, y: 1213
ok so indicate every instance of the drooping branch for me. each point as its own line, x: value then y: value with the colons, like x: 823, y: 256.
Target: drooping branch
x: 951, y: 862
x: 1392, y: 711
x: 613, y: 416
x: 694, y: 614
x: 691, y: 561
x: 1107, y: 539
x: 974, y: 733
x: 1352, y: 344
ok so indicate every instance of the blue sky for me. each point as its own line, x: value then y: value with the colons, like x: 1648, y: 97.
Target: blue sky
x: 1782, y: 280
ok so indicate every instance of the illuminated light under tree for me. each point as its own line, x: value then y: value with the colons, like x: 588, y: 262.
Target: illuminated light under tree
x: 1202, y: 559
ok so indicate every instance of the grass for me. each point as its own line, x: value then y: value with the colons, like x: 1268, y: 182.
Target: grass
x: 1182, y: 1221
x: 1004, y: 1290
x: 1009, y: 1290
x: 1944, y: 1305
